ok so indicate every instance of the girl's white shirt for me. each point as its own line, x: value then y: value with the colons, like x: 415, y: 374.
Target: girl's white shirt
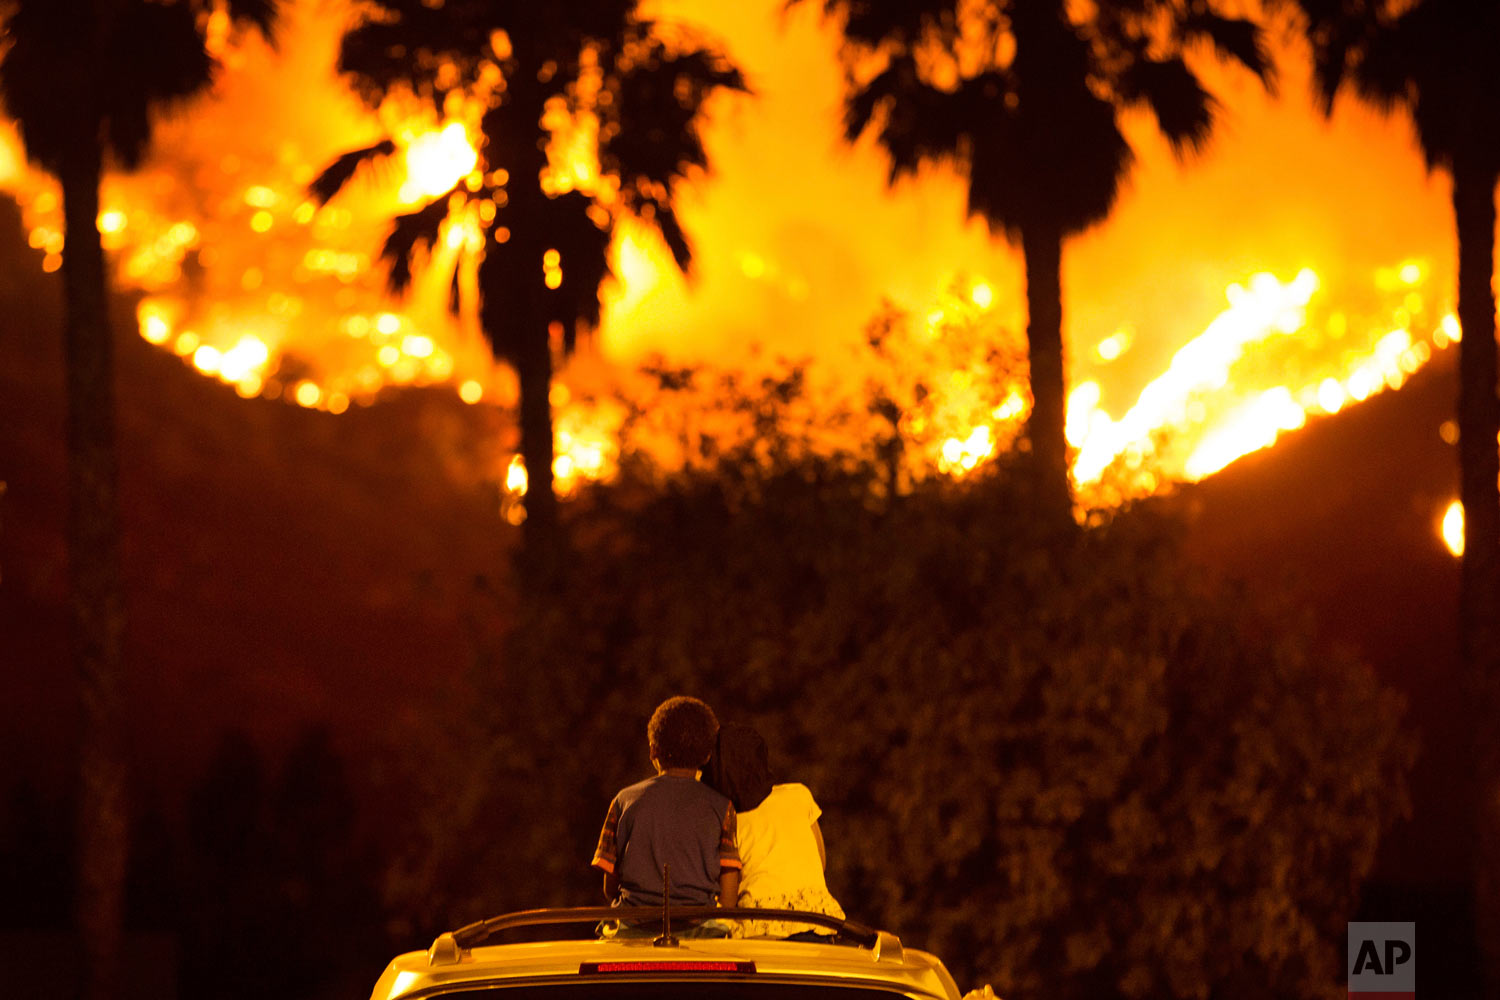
x: 782, y: 867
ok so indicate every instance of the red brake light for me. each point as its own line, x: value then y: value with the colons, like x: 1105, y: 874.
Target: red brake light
x: 692, y: 965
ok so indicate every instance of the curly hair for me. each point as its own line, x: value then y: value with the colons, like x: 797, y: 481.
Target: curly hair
x: 681, y: 732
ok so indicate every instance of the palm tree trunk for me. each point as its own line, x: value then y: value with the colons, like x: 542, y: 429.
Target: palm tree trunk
x: 534, y: 350
x: 534, y: 370
x: 97, y: 613
x: 1042, y: 248
x: 1479, y: 588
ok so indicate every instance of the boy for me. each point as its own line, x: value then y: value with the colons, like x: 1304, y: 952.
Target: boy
x: 672, y: 819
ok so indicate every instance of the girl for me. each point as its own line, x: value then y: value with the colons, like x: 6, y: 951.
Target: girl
x: 780, y: 844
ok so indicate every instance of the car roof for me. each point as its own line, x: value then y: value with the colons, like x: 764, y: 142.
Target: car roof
x: 883, y: 965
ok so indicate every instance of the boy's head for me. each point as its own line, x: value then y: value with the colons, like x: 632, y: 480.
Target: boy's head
x: 681, y: 733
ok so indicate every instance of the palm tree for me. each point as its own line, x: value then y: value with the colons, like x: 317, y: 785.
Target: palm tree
x: 1436, y: 61
x: 82, y: 78
x: 1024, y: 97
x: 547, y: 253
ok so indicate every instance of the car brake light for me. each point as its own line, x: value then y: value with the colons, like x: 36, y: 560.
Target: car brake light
x: 589, y: 968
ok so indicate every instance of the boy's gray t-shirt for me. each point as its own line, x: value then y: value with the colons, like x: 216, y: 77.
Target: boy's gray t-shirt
x: 668, y: 820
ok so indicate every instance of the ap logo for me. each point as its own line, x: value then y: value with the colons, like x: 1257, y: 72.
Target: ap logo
x: 1382, y: 961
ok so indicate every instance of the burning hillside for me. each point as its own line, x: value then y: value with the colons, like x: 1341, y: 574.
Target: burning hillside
x: 253, y: 283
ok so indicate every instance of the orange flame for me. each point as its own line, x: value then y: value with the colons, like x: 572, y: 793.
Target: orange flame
x: 254, y: 285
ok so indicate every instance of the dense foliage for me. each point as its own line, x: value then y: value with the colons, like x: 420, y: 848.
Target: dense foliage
x: 1070, y: 771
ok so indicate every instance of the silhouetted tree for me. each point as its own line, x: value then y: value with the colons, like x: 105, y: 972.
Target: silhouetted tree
x: 82, y: 79
x: 599, y: 57
x: 1435, y: 60
x: 1024, y: 98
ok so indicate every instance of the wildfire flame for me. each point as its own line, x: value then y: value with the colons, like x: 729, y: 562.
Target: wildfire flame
x: 437, y: 160
x: 253, y: 284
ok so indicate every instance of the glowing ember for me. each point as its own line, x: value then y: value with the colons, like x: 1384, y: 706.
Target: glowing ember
x: 12, y: 157
x: 1452, y: 528
x: 961, y: 456
x: 515, y: 476
x: 1113, y: 346
x: 436, y: 161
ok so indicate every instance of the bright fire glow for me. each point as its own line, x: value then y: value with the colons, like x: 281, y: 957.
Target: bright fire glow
x: 1452, y: 528
x: 1204, y: 410
x: 436, y: 161
x: 1266, y: 308
x: 256, y: 286
x: 515, y: 476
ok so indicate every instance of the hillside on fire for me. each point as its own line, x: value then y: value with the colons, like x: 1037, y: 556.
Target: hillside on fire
x: 1054, y: 442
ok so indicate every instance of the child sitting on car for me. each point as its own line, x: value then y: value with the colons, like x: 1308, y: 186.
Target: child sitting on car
x: 780, y: 845
x: 672, y: 819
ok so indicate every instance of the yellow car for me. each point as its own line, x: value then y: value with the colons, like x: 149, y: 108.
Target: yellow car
x: 859, y: 963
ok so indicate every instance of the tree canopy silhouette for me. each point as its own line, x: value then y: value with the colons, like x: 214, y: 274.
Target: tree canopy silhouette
x: 1024, y: 97
x: 82, y: 78
x: 545, y: 255
x: 1435, y: 61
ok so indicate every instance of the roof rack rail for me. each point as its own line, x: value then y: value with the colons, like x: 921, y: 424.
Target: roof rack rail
x: 477, y: 933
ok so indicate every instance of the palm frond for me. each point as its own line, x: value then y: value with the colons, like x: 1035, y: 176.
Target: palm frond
x: 46, y: 78
x: 337, y: 174
x: 1435, y: 59
x: 651, y: 125
x: 916, y: 121
x: 1382, y: 73
x: 1337, y: 32
x: 376, y: 58
x: 410, y: 233
x: 889, y: 85
x: 398, y: 44
x: 870, y: 23
x: 1184, y: 110
x: 1238, y: 39
x: 672, y: 233
x: 1441, y: 66
x: 156, y: 56
x: 151, y: 56
x: 261, y: 15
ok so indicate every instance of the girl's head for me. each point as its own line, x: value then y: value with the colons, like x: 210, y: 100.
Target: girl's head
x: 740, y: 768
